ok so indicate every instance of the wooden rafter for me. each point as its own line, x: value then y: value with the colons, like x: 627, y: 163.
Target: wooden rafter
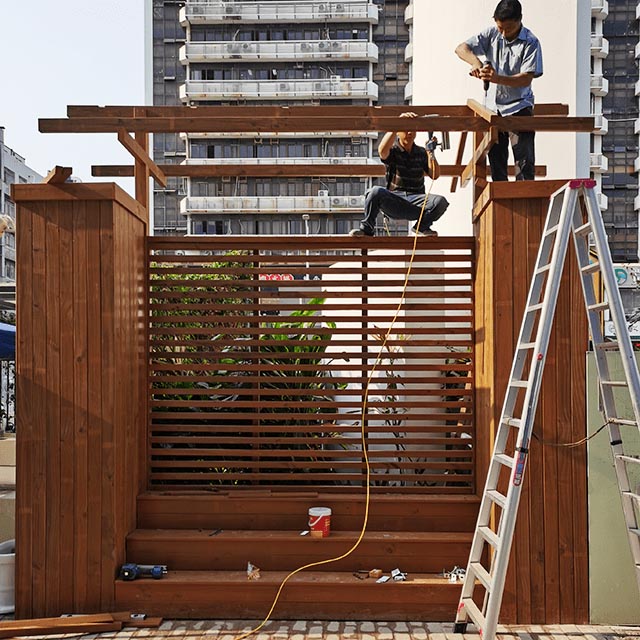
x: 272, y: 170
x: 141, y: 155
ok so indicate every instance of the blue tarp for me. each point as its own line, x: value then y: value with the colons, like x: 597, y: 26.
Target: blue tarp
x: 7, y: 341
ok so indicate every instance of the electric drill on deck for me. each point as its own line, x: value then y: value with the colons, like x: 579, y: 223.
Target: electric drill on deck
x: 132, y: 571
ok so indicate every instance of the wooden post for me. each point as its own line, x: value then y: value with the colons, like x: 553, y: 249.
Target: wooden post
x: 547, y: 580
x: 80, y: 392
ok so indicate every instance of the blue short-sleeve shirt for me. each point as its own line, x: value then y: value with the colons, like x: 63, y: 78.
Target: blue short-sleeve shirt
x: 522, y: 55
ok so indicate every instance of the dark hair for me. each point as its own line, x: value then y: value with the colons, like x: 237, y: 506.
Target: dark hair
x: 508, y: 10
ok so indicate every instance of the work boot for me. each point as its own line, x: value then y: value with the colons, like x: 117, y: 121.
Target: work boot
x: 431, y: 233
x: 358, y: 233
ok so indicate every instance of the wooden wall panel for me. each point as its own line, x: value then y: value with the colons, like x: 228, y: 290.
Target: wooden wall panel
x: 547, y: 581
x: 80, y: 390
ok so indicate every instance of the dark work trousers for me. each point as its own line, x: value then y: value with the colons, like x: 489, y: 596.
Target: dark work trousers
x: 401, y: 205
x: 524, y: 154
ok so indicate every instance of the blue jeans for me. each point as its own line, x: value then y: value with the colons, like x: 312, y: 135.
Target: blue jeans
x: 401, y: 205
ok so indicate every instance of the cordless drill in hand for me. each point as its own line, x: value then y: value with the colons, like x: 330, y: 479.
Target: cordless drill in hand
x: 132, y: 571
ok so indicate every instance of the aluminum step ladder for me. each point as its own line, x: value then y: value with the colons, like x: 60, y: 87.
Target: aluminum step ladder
x: 493, y: 536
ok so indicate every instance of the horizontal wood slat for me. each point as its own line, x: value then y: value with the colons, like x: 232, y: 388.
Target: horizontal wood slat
x: 269, y: 364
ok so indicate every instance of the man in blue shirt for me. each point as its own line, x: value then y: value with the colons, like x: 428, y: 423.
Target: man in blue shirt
x: 513, y: 58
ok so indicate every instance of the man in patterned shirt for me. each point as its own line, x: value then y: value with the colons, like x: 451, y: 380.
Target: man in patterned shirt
x: 513, y: 58
x: 403, y: 199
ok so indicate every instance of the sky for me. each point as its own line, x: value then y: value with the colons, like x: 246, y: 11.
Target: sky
x: 54, y: 54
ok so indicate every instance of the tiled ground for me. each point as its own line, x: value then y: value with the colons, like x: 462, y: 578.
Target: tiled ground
x: 314, y: 630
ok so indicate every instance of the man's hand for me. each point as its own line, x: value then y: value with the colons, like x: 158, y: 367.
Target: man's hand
x: 488, y: 74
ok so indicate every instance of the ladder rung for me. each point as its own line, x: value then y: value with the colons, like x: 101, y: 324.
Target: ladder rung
x: 499, y: 498
x: 631, y: 496
x: 482, y: 574
x: 601, y: 306
x: 614, y: 383
x: 583, y: 230
x: 489, y: 535
x: 591, y: 268
x: 551, y: 230
x: 471, y: 609
x: 513, y: 422
x: 543, y: 269
x: 519, y: 383
x: 607, y: 346
x: 526, y: 345
x: 624, y: 458
x: 506, y: 460
x: 534, y: 307
x: 623, y: 423
x: 635, y: 531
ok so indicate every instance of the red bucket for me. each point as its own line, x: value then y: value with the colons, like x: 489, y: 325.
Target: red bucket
x: 319, y: 521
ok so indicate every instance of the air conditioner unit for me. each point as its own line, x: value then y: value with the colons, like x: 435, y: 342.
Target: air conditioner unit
x: 323, y: 193
x: 353, y: 202
x: 322, y: 45
x: 339, y: 7
x: 318, y: 86
x: 334, y: 78
x: 322, y: 7
x: 304, y: 46
x: 337, y: 45
x: 284, y: 86
x: 336, y: 202
x: 230, y: 8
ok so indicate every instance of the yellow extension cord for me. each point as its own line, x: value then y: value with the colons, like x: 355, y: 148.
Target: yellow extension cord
x: 362, y: 437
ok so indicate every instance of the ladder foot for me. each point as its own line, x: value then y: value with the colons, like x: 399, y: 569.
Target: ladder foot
x: 460, y: 627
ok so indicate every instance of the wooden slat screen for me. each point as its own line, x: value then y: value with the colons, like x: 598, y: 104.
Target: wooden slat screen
x: 261, y: 348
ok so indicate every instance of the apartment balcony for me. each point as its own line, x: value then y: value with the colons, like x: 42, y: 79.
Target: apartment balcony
x: 334, y: 88
x: 603, y: 201
x: 598, y: 162
x: 599, y: 9
x: 266, y: 135
x: 351, y: 160
x: 638, y: 11
x: 636, y: 165
x: 601, y: 125
x: 408, y: 91
x: 408, y: 53
x: 279, y: 51
x: 637, y: 50
x: 599, y: 46
x: 599, y: 85
x: 636, y: 203
x: 272, y: 205
x: 216, y: 11
x: 408, y: 14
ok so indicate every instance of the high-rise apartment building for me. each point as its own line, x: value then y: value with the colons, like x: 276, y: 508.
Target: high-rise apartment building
x: 273, y: 52
x: 615, y: 51
x: 13, y: 170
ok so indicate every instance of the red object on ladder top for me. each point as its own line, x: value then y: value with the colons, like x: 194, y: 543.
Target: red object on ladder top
x: 587, y: 183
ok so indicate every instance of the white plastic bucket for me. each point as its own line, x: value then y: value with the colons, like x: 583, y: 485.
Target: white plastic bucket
x: 319, y: 521
x: 7, y: 576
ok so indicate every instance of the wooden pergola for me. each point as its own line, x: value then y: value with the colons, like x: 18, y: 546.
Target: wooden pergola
x: 87, y: 503
x: 472, y: 118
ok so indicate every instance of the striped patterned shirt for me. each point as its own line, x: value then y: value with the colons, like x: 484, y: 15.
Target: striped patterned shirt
x: 406, y: 169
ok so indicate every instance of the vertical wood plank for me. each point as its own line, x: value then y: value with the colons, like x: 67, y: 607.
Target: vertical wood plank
x: 38, y: 462
x: 67, y: 426
x: 80, y: 404
x: 26, y: 442
x: 108, y: 391
x: 95, y: 424
x: 522, y: 268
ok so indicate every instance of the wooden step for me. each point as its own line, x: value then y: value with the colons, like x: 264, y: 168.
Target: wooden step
x: 230, y: 550
x: 309, y: 595
x: 277, y: 511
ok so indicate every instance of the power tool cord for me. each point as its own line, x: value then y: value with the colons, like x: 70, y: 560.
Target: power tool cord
x: 362, y: 436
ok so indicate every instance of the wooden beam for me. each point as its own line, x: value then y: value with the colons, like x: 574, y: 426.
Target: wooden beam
x: 58, y: 175
x: 263, y: 111
x: 488, y: 140
x: 140, y: 154
x: 459, y: 154
x: 273, y: 171
x: 482, y: 111
x: 584, y: 124
x: 90, y: 111
x: 255, y: 125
